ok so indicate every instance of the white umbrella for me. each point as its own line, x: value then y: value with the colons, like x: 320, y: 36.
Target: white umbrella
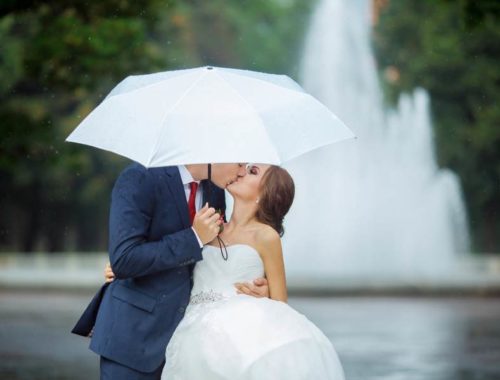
x: 209, y: 115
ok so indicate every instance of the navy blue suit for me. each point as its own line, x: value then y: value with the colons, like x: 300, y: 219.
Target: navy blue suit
x: 152, y: 251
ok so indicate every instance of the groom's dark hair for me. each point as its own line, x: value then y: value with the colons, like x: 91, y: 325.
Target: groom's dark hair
x: 277, y: 191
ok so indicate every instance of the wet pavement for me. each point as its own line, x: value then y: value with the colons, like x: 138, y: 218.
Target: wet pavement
x: 410, y: 338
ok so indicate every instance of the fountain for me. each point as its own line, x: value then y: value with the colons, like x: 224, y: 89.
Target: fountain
x: 376, y: 210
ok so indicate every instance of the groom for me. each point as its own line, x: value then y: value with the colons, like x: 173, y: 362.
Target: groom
x: 155, y: 240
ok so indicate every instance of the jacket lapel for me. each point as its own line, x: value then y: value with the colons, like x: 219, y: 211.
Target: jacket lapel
x: 204, y: 187
x: 206, y: 194
x: 176, y: 188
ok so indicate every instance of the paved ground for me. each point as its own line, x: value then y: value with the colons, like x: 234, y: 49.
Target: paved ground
x: 376, y: 338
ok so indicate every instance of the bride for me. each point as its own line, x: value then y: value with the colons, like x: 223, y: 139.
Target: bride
x: 226, y: 335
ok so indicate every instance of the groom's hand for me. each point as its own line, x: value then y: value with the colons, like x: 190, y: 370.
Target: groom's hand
x: 259, y: 288
x: 207, y: 223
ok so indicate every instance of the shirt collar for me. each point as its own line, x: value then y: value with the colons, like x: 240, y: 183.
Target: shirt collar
x: 186, y: 176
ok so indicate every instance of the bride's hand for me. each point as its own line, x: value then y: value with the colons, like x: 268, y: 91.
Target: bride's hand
x: 109, y: 276
x: 259, y: 288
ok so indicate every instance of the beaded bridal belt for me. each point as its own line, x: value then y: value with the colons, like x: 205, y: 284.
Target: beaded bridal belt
x: 207, y: 297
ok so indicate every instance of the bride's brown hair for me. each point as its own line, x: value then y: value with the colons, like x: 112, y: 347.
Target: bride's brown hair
x: 277, y: 191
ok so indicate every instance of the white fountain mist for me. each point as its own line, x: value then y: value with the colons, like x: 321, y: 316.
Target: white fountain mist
x: 378, y: 208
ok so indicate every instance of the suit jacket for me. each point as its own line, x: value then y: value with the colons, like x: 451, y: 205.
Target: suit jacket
x: 152, y: 250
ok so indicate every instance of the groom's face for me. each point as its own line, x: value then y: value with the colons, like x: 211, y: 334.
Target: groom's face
x: 225, y: 174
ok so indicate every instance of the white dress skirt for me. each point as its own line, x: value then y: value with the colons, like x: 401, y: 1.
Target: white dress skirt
x: 237, y: 337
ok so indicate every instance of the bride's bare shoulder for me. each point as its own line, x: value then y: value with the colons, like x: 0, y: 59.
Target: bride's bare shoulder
x: 267, y: 238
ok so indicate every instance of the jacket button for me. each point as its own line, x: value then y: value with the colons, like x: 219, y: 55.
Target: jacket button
x: 181, y: 310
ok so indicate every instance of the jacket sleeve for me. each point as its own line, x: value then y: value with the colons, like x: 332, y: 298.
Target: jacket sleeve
x: 132, y: 208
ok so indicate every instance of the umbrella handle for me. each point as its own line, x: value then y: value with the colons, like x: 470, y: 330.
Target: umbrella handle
x: 209, y: 184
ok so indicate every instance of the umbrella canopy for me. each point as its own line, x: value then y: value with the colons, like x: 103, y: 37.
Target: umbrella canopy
x: 209, y: 115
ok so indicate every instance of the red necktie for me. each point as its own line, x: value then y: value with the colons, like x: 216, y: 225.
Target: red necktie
x: 192, y: 199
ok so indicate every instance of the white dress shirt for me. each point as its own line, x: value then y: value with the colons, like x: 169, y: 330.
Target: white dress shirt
x: 186, y: 179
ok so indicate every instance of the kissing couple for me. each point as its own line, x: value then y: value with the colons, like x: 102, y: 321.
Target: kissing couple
x: 191, y: 297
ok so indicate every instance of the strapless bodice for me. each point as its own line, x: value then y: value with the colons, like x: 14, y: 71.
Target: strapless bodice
x: 213, y: 276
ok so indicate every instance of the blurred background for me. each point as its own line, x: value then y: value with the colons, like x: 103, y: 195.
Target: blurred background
x: 399, y: 263
x: 59, y: 59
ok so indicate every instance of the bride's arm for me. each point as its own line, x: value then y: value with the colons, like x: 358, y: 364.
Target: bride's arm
x: 109, y: 276
x: 274, y: 266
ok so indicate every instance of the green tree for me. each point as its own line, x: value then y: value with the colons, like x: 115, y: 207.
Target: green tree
x: 59, y: 59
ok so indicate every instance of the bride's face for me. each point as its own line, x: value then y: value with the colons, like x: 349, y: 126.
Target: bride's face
x: 247, y: 187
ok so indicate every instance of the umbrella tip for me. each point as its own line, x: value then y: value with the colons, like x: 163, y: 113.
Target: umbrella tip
x: 210, y: 68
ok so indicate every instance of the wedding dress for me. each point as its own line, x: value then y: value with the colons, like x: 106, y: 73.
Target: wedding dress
x: 237, y: 337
